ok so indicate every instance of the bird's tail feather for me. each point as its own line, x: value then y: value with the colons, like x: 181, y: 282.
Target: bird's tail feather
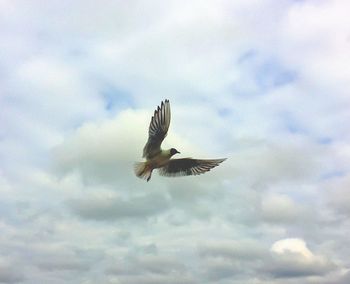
x: 142, y: 170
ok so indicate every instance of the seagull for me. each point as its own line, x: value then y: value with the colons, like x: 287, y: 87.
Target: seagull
x: 156, y: 158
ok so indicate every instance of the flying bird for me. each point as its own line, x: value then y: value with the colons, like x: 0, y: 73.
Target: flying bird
x: 156, y: 158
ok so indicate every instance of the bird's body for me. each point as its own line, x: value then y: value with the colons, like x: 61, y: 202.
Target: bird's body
x: 159, y: 160
x: 156, y: 158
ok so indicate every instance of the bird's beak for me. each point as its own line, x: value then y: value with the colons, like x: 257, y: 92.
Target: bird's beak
x: 178, y: 152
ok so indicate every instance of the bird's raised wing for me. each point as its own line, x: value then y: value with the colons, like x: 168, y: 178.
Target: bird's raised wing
x: 158, y: 129
x: 188, y: 166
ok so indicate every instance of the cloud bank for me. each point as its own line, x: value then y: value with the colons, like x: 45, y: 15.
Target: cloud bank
x: 262, y: 83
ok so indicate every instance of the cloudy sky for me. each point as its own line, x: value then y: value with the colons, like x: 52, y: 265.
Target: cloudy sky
x: 263, y: 83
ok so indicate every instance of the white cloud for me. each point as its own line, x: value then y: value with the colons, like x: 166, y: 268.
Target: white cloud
x: 296, y: 246
x: 292, y: 258
x: 318, y: 32
x: 104, y: 151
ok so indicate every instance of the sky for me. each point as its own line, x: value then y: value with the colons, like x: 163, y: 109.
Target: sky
x: 264, y: 84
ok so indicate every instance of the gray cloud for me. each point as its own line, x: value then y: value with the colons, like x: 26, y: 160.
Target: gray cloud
x: 8, y: 274
x: 151, y: 267
x: 262, y: 83
x: 343, y: 279
x: 115, y: 208
x: 290, y: 266
x: 241, y: 250
x: 280, y: 209
x: 338, y: 194
x: 156, y: 279
x: 149, y: 263
x: 59, y: 259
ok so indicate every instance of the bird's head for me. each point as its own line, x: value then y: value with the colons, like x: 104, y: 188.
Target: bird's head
x: 173, y: 151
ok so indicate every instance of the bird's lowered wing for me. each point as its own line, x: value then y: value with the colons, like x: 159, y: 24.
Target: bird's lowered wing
x: 158, y: 129
x: 188, y: 166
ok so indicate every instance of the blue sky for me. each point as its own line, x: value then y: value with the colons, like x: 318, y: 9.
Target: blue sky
x: 262, y: 83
